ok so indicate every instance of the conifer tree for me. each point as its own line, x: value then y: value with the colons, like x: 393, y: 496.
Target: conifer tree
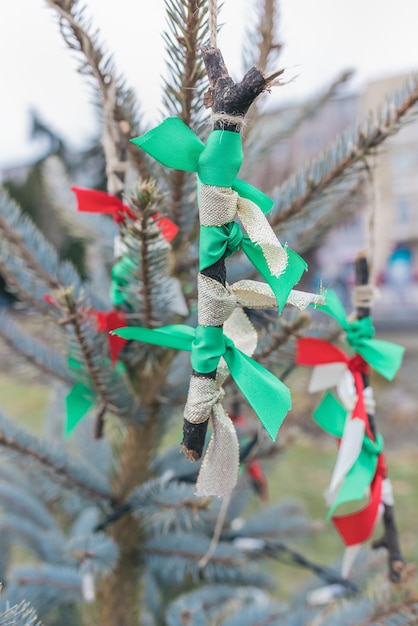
x: 119, y: 537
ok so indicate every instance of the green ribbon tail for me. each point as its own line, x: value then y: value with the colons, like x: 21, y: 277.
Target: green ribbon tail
x: 383, y: 356
x: 330, y: 415
x: 177, y: 336
x: 266, y: 394
x: 333, y: 306
x: 172, y: 144
x: 78, y: 402
x: 245, y: 190
x: 281, y: 285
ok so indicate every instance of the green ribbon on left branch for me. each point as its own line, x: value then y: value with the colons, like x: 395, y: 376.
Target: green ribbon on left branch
x: 265, y: 393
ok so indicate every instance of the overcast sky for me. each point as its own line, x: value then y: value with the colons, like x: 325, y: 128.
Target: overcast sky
x: 320, y: 37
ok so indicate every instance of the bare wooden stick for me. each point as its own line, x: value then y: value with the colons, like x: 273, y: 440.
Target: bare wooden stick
x: 390, y: 538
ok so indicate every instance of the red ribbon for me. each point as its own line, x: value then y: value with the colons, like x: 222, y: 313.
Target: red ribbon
x: 357, y: 527
x: 91, y: 201
x: 258, y: 478
x: 107, y: 321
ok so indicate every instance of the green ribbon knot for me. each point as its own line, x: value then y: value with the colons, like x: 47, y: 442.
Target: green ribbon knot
x: 383, y: 356
x: 265, y: 393
x: 331, y: 415
x: 217, y: 241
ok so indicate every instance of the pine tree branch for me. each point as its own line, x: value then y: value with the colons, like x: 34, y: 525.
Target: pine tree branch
x: 324, y: 217
x: 20, y: 615
x: 119, y: 120
x: 346, y: 157
x: 17, y: 289
x: 44, y: 358
x: 183, y: 89
x: 57, y: 462
x: 14, y: 240
x: 268, y: 49
x: 288, y: 330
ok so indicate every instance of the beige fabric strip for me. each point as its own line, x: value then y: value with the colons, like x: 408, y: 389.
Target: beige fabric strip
x: 364, y: 296
x: 260, y: 232
x: 254, y: 294
x: 217, y: 205
x: 215, y: 302
x: 219, y: 471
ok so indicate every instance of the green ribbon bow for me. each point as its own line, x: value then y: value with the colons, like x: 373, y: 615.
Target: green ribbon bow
x: 217, y: 163
x: 331, y: 415
x: 383, y: 356
x: 266, y: 394
x: 175, y: 145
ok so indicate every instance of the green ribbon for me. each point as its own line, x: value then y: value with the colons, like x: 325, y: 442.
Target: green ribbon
x: 217, y: 163
x: 383, y: 356
x: 266, y: 394
x: 121, y: 274
x: 331, y: 415
x: 175, y: 145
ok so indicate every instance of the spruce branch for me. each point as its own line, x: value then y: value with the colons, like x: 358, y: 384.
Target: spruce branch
x: 183, y: 89
x: 21, y: 292
x: 118, y: 103
x: 47, y: 586
x: 266, y: 53
x: 44, y: 359
x: 279, y: 338
x: 20, y: 615
x: 346, y: 157
x: 75, y: 318
x: 30, y: 260
x: 56, y: 461
x: 324, y: 217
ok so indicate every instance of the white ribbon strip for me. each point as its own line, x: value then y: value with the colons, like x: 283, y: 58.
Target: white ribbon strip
x: 387, y: 493
x: 350, y: 555
x: 337, y: 375
x: 326, y: 376
x: 349, y: 450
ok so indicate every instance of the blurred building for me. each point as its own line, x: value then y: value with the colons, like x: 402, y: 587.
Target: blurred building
x: 393, y: 197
